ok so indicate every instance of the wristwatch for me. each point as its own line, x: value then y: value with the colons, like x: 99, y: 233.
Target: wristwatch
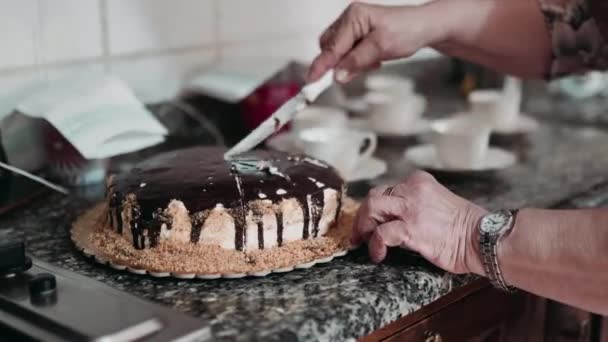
x: 492, y: 227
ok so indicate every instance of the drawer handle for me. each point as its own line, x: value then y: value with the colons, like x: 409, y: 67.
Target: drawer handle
x: 431, y: 336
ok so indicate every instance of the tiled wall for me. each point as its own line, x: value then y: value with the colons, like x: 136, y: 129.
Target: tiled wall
x: 153, y: 44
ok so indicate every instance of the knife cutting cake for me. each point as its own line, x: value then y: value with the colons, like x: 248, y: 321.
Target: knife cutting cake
x: 191, y: 210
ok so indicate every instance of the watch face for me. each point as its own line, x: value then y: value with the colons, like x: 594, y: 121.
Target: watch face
x: 494, y: 222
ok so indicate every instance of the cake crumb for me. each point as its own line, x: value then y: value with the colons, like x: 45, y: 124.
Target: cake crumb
x: 90, y: 232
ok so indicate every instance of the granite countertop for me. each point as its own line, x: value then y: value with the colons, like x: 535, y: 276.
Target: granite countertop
x: 349, y: 297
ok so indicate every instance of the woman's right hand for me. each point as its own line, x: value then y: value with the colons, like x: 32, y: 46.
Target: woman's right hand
x: 365, y: 35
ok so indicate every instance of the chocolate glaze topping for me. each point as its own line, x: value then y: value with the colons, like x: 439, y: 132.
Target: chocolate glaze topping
x: 201, y: 179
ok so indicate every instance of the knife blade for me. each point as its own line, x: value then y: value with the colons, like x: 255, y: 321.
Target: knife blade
x: 282, y: 116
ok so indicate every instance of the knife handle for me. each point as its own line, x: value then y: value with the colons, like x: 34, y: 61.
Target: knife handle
x: 312, y: 90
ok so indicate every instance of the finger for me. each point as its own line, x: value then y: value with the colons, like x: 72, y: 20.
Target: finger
x: 378, y: 191
x: 321, y: 64
x: 330, y: 33
x: 375, y: 192
x: 337, y: 41
x: 390, y: 234
x: 363, y: 57
x: 399, y: 190
x: 375, y: 211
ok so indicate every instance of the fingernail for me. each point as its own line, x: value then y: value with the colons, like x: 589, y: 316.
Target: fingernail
x: 341, y: 75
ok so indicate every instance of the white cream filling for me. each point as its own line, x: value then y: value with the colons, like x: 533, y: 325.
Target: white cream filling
x: 219, y: 227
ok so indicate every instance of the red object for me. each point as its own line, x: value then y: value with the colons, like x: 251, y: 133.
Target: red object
x: 265, y: 100
x: 67, y: 164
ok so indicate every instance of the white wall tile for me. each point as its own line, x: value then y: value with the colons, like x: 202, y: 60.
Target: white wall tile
x: 20, y: 137
x: 14, y: 87
x: 266, y: 19
x: 18, y: 29
x: 69, y: 71
x: 397, y: 2
x: 70, y: 29
x: 137, y: 25
x: 302, y: 48
x: 160, y: 78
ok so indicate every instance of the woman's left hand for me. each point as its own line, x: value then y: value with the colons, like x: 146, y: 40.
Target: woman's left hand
x: 424, y: 216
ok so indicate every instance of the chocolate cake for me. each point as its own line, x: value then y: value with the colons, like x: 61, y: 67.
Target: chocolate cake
x: 258, y: 200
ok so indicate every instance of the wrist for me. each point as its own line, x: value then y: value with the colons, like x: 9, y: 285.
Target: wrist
x: 504, y: 249
x: 441, y: 26
x: 446, y: 26
x: 462, y: 26
x: 473, y: 258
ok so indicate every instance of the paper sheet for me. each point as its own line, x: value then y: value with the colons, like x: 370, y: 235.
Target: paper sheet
x: 99, y: 115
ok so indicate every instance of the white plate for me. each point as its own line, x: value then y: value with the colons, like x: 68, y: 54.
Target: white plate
x: 419, y: 127
x: 424, y: 156
x: 367, y: 169
x: 416, y: 128
x: 524, y: 124
x: 283, y: 142
x: 356, y: 105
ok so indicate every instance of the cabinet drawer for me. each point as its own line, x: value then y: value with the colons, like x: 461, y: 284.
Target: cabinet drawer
x: 478, y: 317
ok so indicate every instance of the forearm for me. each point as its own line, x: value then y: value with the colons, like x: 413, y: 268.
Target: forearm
x: 507, y: 36
x: 559, y: 254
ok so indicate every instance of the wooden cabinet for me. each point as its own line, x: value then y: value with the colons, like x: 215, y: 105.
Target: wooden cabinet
x: 604, y: 330
x: 567, y: 324
x: 479, y: 313
x: 480, y: 317
x: 476, y: 312
x: 564, y: 323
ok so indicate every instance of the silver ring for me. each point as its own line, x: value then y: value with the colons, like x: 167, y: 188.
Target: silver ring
x: 388, y: 191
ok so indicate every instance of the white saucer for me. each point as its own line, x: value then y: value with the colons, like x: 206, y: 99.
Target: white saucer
x: 367, y: 169
x: 356, y: 105
x: 282, y: 142
x: 424, y: 156
x: 415, y: 128
x: 524, y: 124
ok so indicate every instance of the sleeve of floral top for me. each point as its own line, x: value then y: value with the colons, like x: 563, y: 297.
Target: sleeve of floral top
x: 579, y: 34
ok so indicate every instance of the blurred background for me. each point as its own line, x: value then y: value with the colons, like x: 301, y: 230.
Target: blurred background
x: 156, y: 46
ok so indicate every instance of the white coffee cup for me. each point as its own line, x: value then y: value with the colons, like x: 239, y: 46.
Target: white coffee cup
x: 498, y: 107
x: 510, y: 105
x: 334, y: 96
x: 389, y: 114
x: 461, y: 142
x: 341, y: 148
x: 319, y: 116
x: 389, y: 84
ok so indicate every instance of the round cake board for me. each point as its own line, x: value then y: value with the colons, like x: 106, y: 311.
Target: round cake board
x: 190, y: 261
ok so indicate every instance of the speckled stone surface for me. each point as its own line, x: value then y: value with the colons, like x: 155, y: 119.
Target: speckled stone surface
x: 349, y: 297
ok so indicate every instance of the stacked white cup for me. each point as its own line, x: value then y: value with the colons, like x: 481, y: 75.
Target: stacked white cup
x: 392, y: 103
x: 341, y: 148
x: 461, y: 142
x: 498, y: 108
x: 323, y: 133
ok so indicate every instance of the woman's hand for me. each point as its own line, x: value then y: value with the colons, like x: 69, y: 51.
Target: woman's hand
x: 364, y: 35
x: 424, y: 216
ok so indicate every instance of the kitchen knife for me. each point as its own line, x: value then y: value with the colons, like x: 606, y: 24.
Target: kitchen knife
x: 283, y: 115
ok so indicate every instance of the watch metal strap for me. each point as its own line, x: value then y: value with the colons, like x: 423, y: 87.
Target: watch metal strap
x: 490, y: 260
x: 489, y: 249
